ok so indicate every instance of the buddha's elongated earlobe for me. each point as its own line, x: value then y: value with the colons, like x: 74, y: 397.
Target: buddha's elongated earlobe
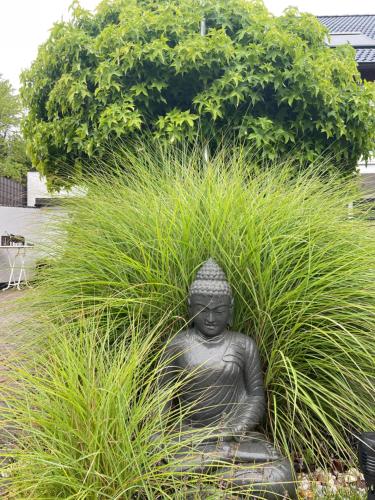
x: 230, y: 320
x: 190, y: 313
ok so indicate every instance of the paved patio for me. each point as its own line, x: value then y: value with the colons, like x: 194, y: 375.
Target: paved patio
x: 13, y: 323
x: 13, y: 330
x: 11, y: 326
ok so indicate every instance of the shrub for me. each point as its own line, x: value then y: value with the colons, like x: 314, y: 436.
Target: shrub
x: 301, y: 269
x: 143, y: 65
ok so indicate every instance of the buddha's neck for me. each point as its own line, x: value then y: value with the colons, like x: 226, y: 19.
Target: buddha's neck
x: 215, y: 339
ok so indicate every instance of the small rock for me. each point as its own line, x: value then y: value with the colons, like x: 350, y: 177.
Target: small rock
x: 322, y: 475
x: 331, y: 481
x: 306, y: 494
x: 320, y: 490
x: 305, y: 484
x: 355, y: 472
x: 349, y: 478
x: 332, y: 489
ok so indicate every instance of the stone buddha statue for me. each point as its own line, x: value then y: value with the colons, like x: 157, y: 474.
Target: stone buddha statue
x: 221, y: 395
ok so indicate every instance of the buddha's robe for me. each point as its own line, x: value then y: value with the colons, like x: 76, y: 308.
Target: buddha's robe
x: 223, y: 380
x: 223, y: 390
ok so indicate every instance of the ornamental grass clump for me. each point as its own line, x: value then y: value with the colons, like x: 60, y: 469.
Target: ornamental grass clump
x: 86, y: 419
x: 300, y: 265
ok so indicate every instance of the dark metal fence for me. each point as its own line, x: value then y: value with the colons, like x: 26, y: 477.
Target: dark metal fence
x: 12, y: 193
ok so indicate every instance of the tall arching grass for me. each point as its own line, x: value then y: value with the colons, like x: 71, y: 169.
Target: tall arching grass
x: 88, y: 422
x: 301, y: 269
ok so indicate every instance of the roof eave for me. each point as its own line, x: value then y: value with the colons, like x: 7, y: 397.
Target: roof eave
x: 366, y: 65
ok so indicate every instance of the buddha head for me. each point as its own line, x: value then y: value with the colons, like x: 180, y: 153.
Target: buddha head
x: 210, y: 300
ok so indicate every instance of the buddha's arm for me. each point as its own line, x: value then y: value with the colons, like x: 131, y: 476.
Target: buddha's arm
x: 252, y: 407
x: 168, y: 373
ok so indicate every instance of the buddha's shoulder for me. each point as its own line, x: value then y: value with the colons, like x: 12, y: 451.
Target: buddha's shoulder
x: 181, y: 337
x: 242, y: 340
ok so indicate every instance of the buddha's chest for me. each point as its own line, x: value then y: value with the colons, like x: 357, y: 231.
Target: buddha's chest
x: 210, y: 362
x: 214, y: 378
x: 199, y: 355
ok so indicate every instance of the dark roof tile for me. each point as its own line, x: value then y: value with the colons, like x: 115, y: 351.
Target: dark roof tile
x: 362, y: 23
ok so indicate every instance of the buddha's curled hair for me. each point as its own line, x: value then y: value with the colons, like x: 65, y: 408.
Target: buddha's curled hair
x: 210, y: 280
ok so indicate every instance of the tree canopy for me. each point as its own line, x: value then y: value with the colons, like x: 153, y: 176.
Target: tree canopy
x: 13, y: 160
x: 137, y: 65
x: 9, y: 109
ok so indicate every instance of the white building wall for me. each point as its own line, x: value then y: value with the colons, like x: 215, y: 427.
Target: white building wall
x: 37, y: 225
x: 37, y: 188
x: 367, y: 171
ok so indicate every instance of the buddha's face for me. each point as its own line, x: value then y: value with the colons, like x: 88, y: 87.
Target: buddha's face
x: 210, y: 314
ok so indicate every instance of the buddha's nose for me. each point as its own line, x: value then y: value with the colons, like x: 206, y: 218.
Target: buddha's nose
x: 210, y: 317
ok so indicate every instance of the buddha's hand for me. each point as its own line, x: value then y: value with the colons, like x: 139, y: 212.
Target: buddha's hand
x: 239, y: 432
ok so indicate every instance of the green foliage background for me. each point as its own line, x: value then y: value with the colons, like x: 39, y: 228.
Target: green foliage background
x: 14, y: 162
x: 141, y: 64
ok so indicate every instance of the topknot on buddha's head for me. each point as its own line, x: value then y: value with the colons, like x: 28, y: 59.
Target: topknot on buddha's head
x: 210, y: 280
x: 211, y: 271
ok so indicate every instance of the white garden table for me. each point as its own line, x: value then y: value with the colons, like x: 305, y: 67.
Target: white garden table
x: 16, y: 258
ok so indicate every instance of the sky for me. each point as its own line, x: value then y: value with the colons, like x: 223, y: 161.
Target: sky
x: 25, y: 24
